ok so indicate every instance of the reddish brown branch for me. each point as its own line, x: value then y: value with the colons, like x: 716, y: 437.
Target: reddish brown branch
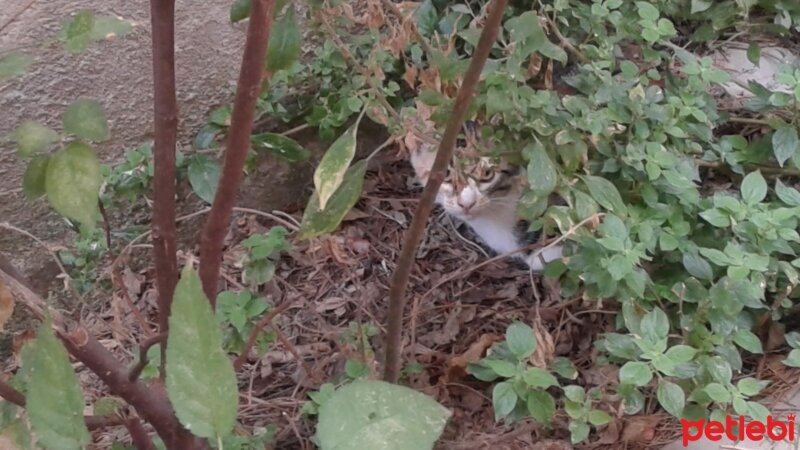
x: 12, y: 395
x: 143, y: 348
x: 165, y: 109
x: 141, y: 440
x: 244, y: 106
x: 397, y: 288
x: 150, y: 401
x: 263, y: 323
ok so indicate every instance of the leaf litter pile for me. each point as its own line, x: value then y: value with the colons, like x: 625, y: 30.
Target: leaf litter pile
x: 327, y: 307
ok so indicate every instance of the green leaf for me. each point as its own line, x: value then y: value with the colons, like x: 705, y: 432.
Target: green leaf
x: 754, y: 53
x: 316, y: 222
x: 72, y: 183
x: 681, y: 353
x: 107, y: 27
x: 718, y: 393
x: 33, y: 183
x: 578, y: 431
x: 221, y: 116
x: 240, y: 10
x: 621, y: 345
x: 504, y: 399
x: 280, y: 146
x: 598, y: 417
x: 86, y: 119
x: 793, y: 358
x: 77, y: 32
x: 574, y: 393
x: 13, y: 65
x: 655, y: 325
x: 332, y: 168
x: 501, y: 367
x: 204, y: 173
x: 785, y: 143
x: 754, y: 187
x: 55, y: 400
x: 647, y: 11
x: 697, y: 266
x: 32, y: 137
x: 539, y: 378
x: 426, y: 18
x: 542, y: 175
x: 635, y: 373
x: 285, y: 43
x: 751, y: 386
x: 564, y: 368
x: 671, y: 397
x: 748, y: 341
x: 541, y: 406
x: 520, y: 340
x: 368, y: 414
x: 786, y: 194
x: 605, y: 193
x: 716, y: 217
x: 757, y: 411
x: 201, y: 383
x: 793, y: 339
x: 701, y: 5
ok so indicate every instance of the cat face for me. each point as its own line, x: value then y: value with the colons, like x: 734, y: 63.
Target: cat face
x: 473, y: 186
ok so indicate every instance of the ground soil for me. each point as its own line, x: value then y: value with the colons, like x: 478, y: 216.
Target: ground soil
x: 118, y: 74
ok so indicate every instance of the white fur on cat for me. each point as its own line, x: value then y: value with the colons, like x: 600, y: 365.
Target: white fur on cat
x: 492, y: 219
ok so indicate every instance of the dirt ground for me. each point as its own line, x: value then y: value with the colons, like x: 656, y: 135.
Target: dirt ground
x: 118, y: 74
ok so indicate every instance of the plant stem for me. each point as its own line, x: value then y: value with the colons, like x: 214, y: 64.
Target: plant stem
x: 244, y: 105
x: 165, y: 116
x: 150, y: 401
x: 413, y: 236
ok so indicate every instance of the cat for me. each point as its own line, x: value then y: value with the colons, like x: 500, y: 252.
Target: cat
x: 484, y: 193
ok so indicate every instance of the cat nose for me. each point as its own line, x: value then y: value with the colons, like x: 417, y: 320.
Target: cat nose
x: 466, y: 204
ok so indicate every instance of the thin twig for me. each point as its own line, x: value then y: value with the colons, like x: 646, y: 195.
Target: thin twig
x: 106, y: 223
x: 281, y: 221
x: 244, y: 105
x: 260, y: 326
x: 765, y: 169
x: 16, y: 14
x: 413, y: 236
x: 414, y: 30
x: 55, y: 257
x: 143, y: 348
x: 566, y: 43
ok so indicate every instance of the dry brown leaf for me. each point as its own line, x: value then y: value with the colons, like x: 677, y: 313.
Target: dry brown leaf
x: 640, y: 428
x: 338, y: 253
x: 457, y: 366
x: 548, y: 444
x: 429, y: 79
x: 6, y: 304
x: 410, y: 75
x: 775, y: 336
x: 545, y: 350
x: 534, y: 65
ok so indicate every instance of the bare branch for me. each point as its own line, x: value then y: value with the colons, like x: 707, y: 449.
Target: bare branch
x: 263, y: 323
x: 143, y: 348
x: 165, y: 115
x: 150, y: 401
x: 244, y: 105
x: 413, y: 236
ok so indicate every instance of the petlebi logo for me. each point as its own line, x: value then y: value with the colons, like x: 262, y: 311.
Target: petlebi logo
x: 738, y: 429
